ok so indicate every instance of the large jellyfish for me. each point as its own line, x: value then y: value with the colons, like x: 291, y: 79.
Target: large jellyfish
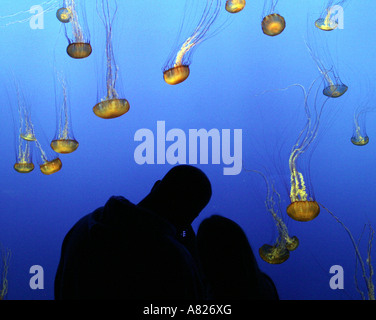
x: 280, y: 251
x: 64, y: 141
x: 272, y: 23
x: 334, y: 87
x: 79, y: 39
x: 112, y: 106
x: 303, y: 207
x: 328, y: 19
x: 359, y: 259
x: 5, y: 258
x: 234, y: 6
x: 176, y: 68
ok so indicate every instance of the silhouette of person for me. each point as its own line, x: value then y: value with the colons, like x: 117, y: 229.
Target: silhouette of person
x: 228, y: 262
x: 128, y: 251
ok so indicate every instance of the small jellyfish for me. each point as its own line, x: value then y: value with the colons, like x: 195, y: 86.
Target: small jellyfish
x: 275, y: 254
x: 280, y: 251
x: 64, y: 15
x: 24, y: 161
x: 234, y: 6
x: 272, y: 23
x: 333, y: 86
x: 176, y: 69
x: 64, y: 141
x: 328, y: 19
x: 112, y: 106
x: 5, y: 258
x: 79, y: 42
x: 23, y: 136
x: 360, y: 137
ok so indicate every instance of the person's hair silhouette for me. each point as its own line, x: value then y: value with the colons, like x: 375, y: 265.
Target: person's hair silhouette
x: 128, y: 251
x: 228, y: 262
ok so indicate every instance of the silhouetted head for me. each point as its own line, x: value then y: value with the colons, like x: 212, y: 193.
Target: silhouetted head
x: 180, y: 196
x: 228, y: 262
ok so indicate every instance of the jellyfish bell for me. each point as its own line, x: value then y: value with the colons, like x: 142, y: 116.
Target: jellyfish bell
x: 191, y: 34
x: 28, y: 136
x: 79, y: 50
x: 234, y: 6
x: 64, y: 15
x: 64, y: 145
x: 292, y: 243
x: 273, y: 24
x: 50, y: 167
x: 359, y: 140
x: 326, y: 24
x: 112, y: 108
x: 23, y: 167
x: 176, y: 75
x: 335, y: 90
x: 274, y: 254
x: 303, y: 210
x: 77, y: 31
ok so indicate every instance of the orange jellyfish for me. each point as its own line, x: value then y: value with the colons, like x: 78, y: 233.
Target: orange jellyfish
x: 112, y: 106
x: 79, y: 41
x: 328, y: 19
x: 49, y: 162
x: 234, y: 6
x: 5, y: 258
x: 24, y: 161
x: 279, y: 252
x: 64, y: 141
x: 334, y: 87
x: 360, y: 137
x: 64, y: 14
x: 272, y: 23
x: 176, y: 68
x: 24, y: 136
x: 303, y: 207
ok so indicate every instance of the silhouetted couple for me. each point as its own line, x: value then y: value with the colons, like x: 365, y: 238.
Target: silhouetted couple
x: 150, y: 251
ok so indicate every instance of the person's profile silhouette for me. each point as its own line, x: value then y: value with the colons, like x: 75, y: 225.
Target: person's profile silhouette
x: 128, y: 251
x: 228, y: 262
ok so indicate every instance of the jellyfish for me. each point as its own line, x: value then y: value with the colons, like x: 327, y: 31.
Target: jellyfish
x: 24, y: 135
x: 303, y: 207
x: 49, y: 162
x: 272, y: 23
x: 234, y: 6
x: 79, y: 43
x: 328, y: 19
x: 112, y: 106
x: 334, y: 87
x: 64, y: 141
x: 176, y: 68
x: 359, y: 259
x: 360, y: 137
x: 24, y: 161
x: 5, y: 258
x: 64, y: 15
x: 280, y: 251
